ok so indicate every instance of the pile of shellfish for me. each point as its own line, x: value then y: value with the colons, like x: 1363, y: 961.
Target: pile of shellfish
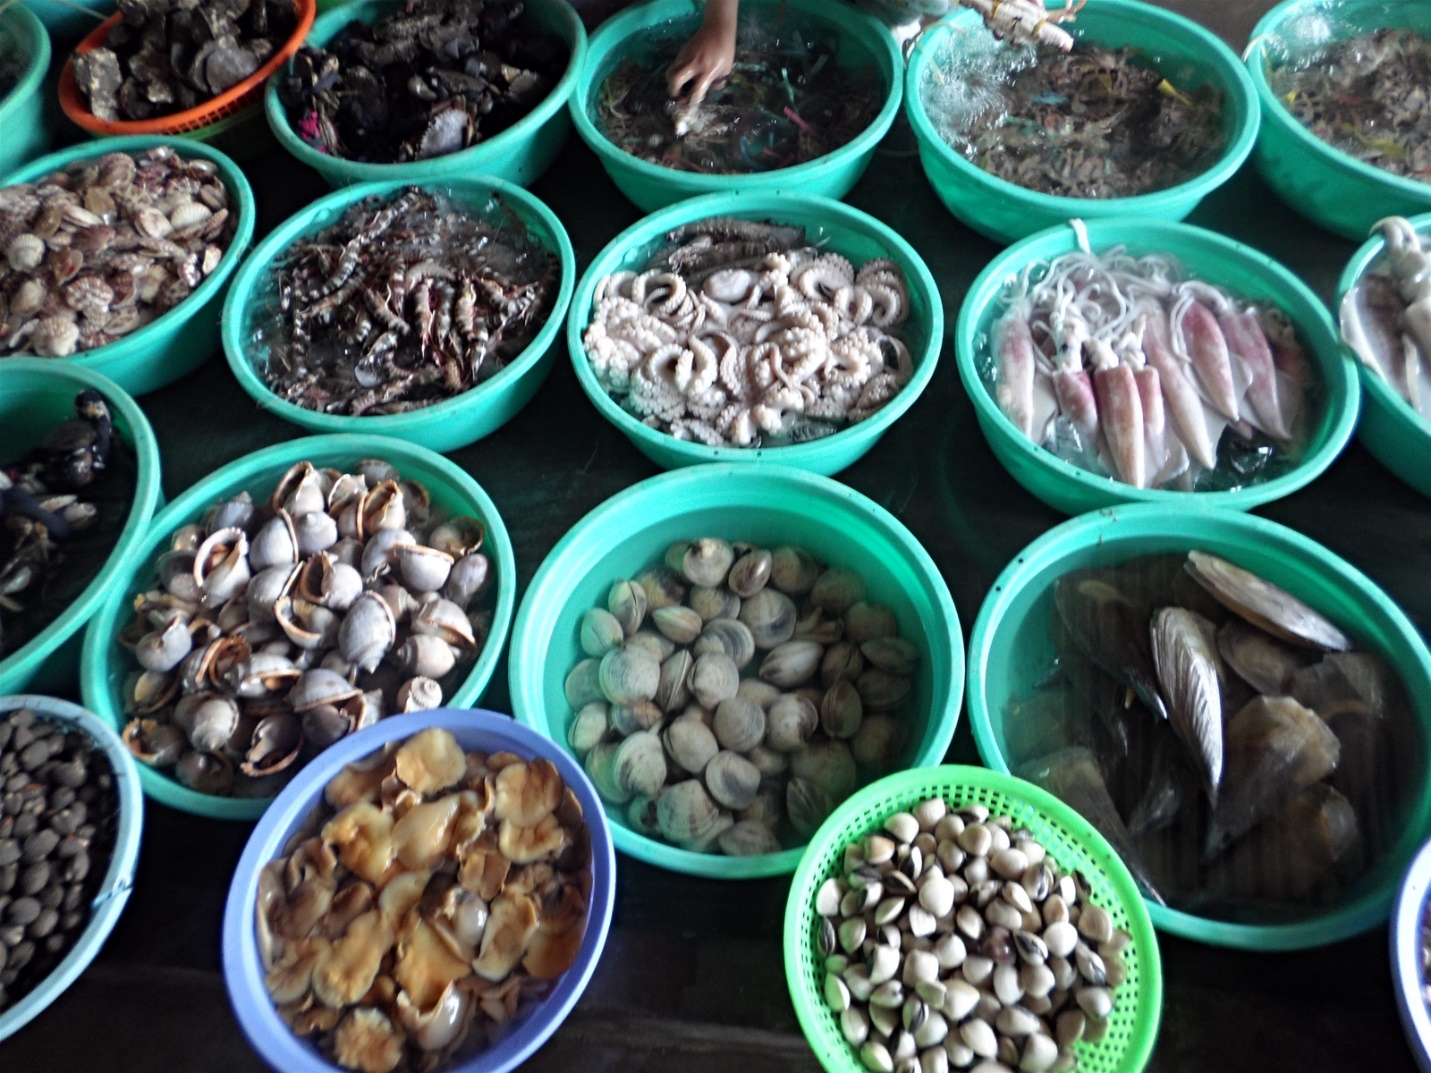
x: 433, y: 891
x: 710, y: 760
x: 100, y: 249
x: 1386, y: 316
x: 272, y: 631
x: 746, y: 334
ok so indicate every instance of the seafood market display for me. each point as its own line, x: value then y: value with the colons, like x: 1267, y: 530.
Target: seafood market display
x: 1129, y: 368
x: 1386, y: 316
x: 433, y: 77
x: 434, y: 892
x: 1365, y: 95
x: 1243, y: 756
x: 746, y: 334
x: 167, y: 56
x: 787, y: 101
x: 102, y: 248
x: 734, y: 692
x: 1087, y: 122
x: 275, y: 629
x: 57, y: 829
x: 952, y: 938
x: 62, y: 508
x: 405, y: 301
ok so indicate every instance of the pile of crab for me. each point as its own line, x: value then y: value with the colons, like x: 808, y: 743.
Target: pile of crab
x: 745, y: 334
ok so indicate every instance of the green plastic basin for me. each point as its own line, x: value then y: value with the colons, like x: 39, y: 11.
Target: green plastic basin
x: 862, y: 41
x: 183, y: 338
x: 1010, y: 650
x: 1188, y: 55
x: 1070, y: 840
x: 35, y: 395
x: 844, y: 230
x: 520, y: 154
x: 444, y: 426
x: 66, y: 21
x: 1324, y: 184
x: 22, y: 110
x: 770, y: 506
x: 1245, y: 272
x: 105, y: 663
x: 1390, y: 427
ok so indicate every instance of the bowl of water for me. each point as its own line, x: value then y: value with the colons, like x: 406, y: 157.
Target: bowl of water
x: 1079, y: 438
x: 1002, y: 174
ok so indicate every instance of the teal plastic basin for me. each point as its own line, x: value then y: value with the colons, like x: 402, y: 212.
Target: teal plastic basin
x: 183, y: 338
x: 520, y: 154
x: 66, y: 21
x: 1245, y: 272
x: 22, y: 110
x: 105, y: 663
x: 863, y: 41
x: 113, y: 893
x: 444, y: 426
x: 1010, y: 649
x: 1390, y: 428
x: 35, y: 395
x: 1330, y: 188
x: 845, y: 230
x: 770, y: 506
x: 1183, y: 51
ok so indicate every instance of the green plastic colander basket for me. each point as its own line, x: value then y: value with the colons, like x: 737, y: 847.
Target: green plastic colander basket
x: 1070, y: 840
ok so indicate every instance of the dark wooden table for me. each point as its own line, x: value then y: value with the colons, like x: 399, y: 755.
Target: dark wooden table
x: 692, y: 977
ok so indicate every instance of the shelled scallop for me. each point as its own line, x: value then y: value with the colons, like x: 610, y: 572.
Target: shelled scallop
x: 275, y: 629
x: 434, y: 891
x: 734, y: 693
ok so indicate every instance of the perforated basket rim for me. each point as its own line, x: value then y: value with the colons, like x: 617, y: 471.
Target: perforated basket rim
x: 1138, y: 1002
x: 230, y: 102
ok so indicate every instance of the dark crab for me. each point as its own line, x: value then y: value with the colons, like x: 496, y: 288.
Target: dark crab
x: 434, y: 77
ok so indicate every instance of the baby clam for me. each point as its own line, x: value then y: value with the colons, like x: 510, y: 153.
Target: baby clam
x: 770, y: 616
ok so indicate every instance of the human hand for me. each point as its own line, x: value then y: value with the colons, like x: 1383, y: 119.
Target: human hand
x: 707, y: 56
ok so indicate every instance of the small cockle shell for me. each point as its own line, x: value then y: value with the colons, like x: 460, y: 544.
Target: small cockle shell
x: 879, y: 741
x: 770, y: 616
x: 627, y: 601
x: 890, y: 653
x: 630, y: 718
x: 221, y: 564
x: 583, y: 684
x: 588, y: 729
x: 731, y: 780
x: 25, y: 252
x: 600, y: 632
x: 807, y: 805
x: 793, y: 570
x: 426, y: 655
x: 641, y: 764
x: 739, y: 724
x: 865, y: 621
x: 749, y: 573
x: 275, y: 544
x: 707, y: 561
x: 652, y: 643
x: 690, y: 743
x: 713, y: 603
x: 728, y: 636
x: 673, y: 689
x: 628, y: 675
x: 662, y: 585
x: 685, y: 811
x: 841, y: 660
x: 600, y: 767
x: 380, y: 552
x: 789, y: 722
x: 841, y: 710
x: 748, y: 838
x: 882, y: 691
x: 314, y: 531
x: 678, y: 623
x: 837, y: 591
x: 792, y: 663
x: 423, y: 569
x: 819, y: 626
x: 714, y: 678
x: 829, y: 765
x: 367, y: 632
x: 444, y: 619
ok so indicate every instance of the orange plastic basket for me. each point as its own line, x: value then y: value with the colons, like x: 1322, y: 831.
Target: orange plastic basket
x: 233, y: 100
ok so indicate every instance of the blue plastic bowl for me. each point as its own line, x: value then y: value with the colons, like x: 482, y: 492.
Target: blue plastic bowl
x: 474, y: 729
x: 113, y: 893
x: 1406, y: 972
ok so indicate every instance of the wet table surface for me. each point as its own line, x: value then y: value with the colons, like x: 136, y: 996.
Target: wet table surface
x: 692, y: 977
